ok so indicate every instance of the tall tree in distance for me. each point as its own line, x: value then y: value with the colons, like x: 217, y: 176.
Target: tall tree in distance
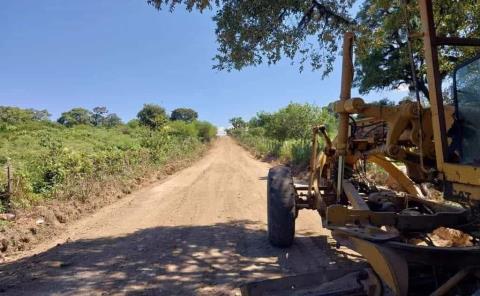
x: 238, y: 122
x: 40, y: 115
x: 75, y: 116
x: 153, y: 116
x: 14, y: 115
x: 184, y: 114
x: 99, y: 115
x: 111, y: 120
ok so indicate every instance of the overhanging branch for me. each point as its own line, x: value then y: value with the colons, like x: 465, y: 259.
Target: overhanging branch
x: 325, y: 11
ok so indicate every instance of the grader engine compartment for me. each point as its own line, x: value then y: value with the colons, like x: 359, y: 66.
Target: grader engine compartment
x: 405, y: 223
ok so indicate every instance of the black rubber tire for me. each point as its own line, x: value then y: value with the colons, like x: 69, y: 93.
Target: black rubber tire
x: 281, y: 207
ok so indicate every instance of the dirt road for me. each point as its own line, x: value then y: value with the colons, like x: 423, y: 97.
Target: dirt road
x: 202, y: 231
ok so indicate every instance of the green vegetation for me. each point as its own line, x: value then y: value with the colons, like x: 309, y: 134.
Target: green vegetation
x: 76, y: 116
x: 238, y: 122
x: 152, y: 116
x: 382, y: 41
x: 185, y: 114
x: 86, y: 150
x: 285, y: 134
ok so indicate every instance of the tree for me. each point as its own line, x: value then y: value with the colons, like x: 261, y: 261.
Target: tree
x: 99, y: 115
x: 153, y: 116
x: 238, y: 122
x: 251, y: 32
x: 111, y: 120
x: 75, y: 116
x: 185, y: 114
x: 39, y: 115
x: 260, y: 120
x: 15, y: 115
x: 382, y: 51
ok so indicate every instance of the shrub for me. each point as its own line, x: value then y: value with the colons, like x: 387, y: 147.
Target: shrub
x: 206, y: 130
x: 182, y: 129
x: 285, y: 134
x: 134, y: 123
x: 296, y: 121
x: 296, y: 152
x: 53, y: 161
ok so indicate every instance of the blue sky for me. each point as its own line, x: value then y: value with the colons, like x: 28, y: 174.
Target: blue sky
x: 57, y: 55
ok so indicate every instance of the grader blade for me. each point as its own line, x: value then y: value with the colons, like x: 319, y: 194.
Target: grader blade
x: 359, y: 281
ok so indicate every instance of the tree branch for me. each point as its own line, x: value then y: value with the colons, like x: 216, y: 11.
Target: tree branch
x: 325, y: 11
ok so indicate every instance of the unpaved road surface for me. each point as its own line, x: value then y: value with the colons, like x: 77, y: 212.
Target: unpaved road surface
x: 201, y: 231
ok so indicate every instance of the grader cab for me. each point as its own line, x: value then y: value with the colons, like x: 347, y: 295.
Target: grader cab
x: 433, y: 154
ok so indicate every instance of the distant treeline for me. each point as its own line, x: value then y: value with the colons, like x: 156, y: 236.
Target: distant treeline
x: 84, y: 151
x: 150, y: 115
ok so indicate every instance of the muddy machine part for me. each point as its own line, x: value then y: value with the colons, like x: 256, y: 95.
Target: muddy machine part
x: 420, y: 236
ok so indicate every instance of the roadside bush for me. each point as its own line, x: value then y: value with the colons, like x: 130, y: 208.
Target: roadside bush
x: 51, y: 160
x: 256, y: 131
x: 134, y: 123
x: 262, y: 146
x: 295, y: 121
x: 285, y: 134
x: 182, y: 129
x: 206, y: 130
x: 296, y: 152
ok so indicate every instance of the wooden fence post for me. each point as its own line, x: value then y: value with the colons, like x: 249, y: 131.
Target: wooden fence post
x: 9, y: 184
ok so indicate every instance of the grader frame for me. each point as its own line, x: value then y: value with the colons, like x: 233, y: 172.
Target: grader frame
x: 377, y: 224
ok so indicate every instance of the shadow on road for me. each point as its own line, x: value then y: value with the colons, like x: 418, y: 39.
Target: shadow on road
x: 176, y: 260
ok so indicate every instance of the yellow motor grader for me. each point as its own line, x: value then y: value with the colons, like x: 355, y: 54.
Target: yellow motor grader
x: 437, y: 145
